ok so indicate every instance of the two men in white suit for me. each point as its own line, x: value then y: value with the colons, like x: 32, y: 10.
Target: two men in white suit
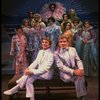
x: 70, y: 66
x: 68, y: 62
x: 41, y: 68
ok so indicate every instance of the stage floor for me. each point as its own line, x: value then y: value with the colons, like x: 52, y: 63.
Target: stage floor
x: 93, y: 89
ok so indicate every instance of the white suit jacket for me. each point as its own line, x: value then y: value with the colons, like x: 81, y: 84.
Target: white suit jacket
x: 42, y: 66
x: 70, y: 56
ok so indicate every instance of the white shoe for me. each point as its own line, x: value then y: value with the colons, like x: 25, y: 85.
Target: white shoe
x: 9, y: 92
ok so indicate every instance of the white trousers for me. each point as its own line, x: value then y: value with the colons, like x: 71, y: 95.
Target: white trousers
x: 28, y: 82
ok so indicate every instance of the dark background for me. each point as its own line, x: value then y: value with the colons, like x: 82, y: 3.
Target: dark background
x: 13, y: 11
x: 20, y: 7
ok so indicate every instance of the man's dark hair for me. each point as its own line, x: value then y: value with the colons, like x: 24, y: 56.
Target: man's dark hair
x: 52, y: 19
x: 18, y: 27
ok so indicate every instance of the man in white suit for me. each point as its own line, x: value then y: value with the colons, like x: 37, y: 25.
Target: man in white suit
x: 70, y: 66
x: 41, y: 68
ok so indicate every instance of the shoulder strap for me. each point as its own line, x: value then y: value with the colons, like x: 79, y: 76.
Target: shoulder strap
x: 65, y: 63
x: 63, y: 60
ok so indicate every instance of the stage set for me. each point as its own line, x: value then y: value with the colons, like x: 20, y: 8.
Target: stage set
x: 16, y: 12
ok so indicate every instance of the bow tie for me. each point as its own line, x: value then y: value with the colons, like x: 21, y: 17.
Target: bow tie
x: 64, y: 50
